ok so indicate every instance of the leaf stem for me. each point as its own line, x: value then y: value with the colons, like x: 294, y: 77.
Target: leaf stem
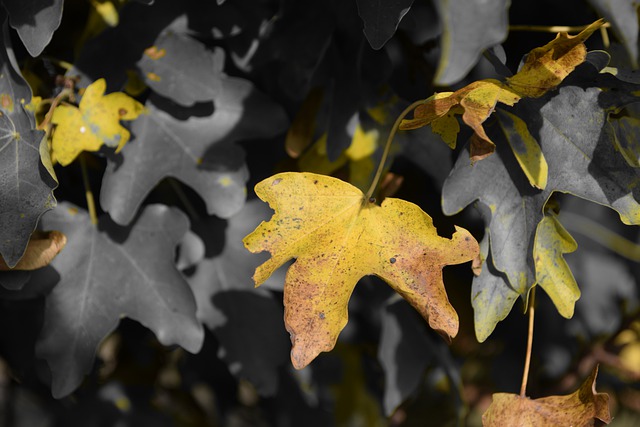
x: 188, y: 206
x: 64, y: 93
x: 527, y: 360
x: 552, y: 28
x: 91, y: 205
x: 387, y: 148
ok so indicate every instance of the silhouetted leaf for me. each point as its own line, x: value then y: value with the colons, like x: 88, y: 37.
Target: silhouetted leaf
x: 246, y: 321
x: 381, y: 19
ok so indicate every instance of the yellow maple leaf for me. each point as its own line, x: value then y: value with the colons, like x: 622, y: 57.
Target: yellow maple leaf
x: 544, y: 69
x: 337, y: 238
x: 95, y: 122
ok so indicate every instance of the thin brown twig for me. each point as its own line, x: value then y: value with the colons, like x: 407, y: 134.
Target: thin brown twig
x: 553, y: 28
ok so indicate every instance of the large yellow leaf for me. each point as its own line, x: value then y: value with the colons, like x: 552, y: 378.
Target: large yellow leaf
x: 544, y: 69
x: 337, y: 238
x: 96, y: 122
x: 581, y: 408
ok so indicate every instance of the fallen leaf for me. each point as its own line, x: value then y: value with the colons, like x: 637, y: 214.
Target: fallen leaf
x: 42, y: 248
x: 581, y: 408
x: 95, y: 122
x: 107, y: 272
x: 337, y: 237
x: 544, y: 69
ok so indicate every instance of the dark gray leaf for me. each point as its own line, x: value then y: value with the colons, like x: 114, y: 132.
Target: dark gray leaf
x: 381, y: 18
x: 35, y: 21
x: 107, y: 272
x: 183, y: 69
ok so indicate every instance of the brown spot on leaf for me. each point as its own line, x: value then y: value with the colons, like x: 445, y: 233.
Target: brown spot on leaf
x: 154, y: 53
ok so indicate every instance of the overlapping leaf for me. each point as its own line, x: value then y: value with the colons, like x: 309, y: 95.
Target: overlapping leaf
x: 580, y: 408
x: 572, y: 129
x: 544, y: 69
x: 35, y: 21
x: 183, y: 69
x: 106, y: 272
x: 26, y: 184
x: 193, y: 145
x: 246, y: 321
x: 469, y: 27
x: 42, y: 248
x: 623, y: 16
x: 337, y: 237
x: 94, y: 123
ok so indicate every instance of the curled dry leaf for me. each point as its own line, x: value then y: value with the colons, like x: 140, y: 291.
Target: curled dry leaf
x: 581, y: 408
x: 544, y: 68
x: 337, y: 237
x: 41, y: 250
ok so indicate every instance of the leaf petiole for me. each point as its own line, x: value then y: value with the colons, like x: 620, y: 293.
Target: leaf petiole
x: 387, y: 148
x: 91, y: 205
x: 527, y: 360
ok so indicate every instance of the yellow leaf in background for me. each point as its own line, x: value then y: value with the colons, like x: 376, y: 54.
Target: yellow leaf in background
x: 359, y: 157
x: 95, y: 122
x: 544, y: 69
x: 337, y: 238
x: 107, y: 11
x: 300, y: 134
x: 580, y: 408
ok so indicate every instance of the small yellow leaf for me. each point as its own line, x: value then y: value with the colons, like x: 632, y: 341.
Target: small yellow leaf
x: 41, y: 250
x: 553, y: 274
x: 107, y: 12
x: 581, y: 408
x: 544, y: 69
x: 477, y: 101
x: 525, y: 148
x: 95, y: 122
x: 337, y: 237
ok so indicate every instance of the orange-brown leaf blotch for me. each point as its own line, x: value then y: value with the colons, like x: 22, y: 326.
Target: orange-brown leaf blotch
x: 337, y: 238
x: 581, y: 408
x: 41, y: 250
x: 544, y: 68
